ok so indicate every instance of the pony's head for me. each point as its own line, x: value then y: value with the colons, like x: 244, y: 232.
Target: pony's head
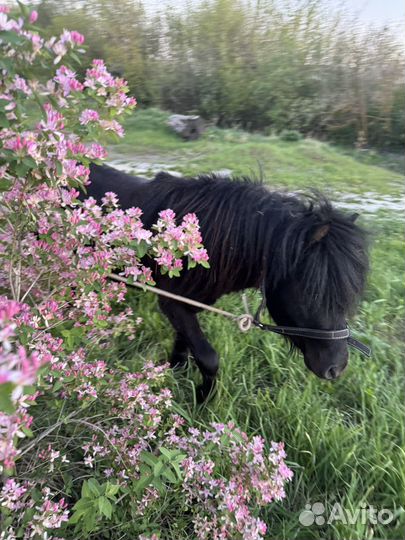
x: 316, y: 280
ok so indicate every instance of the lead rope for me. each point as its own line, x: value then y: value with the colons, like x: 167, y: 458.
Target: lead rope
x: 244, y: 321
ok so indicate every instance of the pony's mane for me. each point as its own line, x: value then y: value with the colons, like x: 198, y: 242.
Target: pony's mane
x: 260, y: 234
x: 330, y: 271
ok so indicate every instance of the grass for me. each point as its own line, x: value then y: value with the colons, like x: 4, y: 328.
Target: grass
x: 306, y: 163
x: 344, y: 440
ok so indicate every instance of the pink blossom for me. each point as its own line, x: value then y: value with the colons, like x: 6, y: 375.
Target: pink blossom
x: 96, y: 151
x: 167, y: 215
x: 121, y: 101
x: 67, y: 79
x: 9, y: 24
x: 33, y: 17
x: 54, y: 120
x: 76, y: 37
x: 199, y: 254
x: 112, y: 125
x: 89, y: 461
x: 37, y: 43
x: 16, y: 143
x: 72, y: 37
x: 89, y: 115
x: 72, y: 169
x: 98, y: 75
x: 110, y: 199
x: 11, y: 494
x: 21, y: 84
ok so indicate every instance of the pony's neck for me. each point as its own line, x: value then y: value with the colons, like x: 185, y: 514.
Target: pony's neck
x: 257, y: 248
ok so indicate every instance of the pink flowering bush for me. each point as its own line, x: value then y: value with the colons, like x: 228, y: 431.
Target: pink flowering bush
x: 85, y: 444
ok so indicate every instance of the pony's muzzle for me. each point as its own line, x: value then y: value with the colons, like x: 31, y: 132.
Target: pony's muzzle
x: 334, y: 372
x: 328, y: 360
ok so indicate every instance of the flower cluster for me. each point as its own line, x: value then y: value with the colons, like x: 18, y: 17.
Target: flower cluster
x: 224, y: 504
x: 185, y: 238
x: 47, y: 514
x: 18, y: 369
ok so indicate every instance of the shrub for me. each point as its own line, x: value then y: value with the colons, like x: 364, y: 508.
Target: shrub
x: 87, y: 447
x: 290, y: 135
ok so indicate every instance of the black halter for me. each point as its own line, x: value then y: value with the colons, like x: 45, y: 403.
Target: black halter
x: 311, y: 333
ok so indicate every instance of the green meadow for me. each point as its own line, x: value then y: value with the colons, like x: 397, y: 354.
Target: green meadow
x: 344, y: 439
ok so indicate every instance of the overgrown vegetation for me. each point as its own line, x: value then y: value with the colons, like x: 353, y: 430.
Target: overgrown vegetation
x: 344, y: 440
x: 269, y: 66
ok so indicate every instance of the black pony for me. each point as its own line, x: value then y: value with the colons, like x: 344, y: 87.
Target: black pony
x: 310, y: 259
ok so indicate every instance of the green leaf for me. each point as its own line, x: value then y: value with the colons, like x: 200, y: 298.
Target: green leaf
x: 144, y: 481
x: 111, y: 489
x: 149, y: 458
x: 29, y: 390
x: 4, y: 122
x: 157, y: 468
x: 169, y: 454
x: 75, y: 58
x: 29, y: 162
x: 6, y: 403
x: 169, y: 475
x: 7, y: 64
x: 141, y: 248
x: 83, y: 504
x: 21, y: 169
x: 86, y: 490
x: 27, y: 432
x: 159, y: 485
x: 90, y: 520
x: 24, y: 9
x: 59, y: 168
x: 82, y: 507
x: 94, y: 486
x: 12, y: 38
x: 5, y: 185
x: 75, y: 518
x: 3, y: 102
x: 176, y: 467
x: 105, y: 507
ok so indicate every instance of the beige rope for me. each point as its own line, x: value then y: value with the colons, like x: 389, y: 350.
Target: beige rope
x: 244, y: 321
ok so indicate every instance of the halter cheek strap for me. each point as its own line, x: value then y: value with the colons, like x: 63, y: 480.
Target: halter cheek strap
x: 311, y: 333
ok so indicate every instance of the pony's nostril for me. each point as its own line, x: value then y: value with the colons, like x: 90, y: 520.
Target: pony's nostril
x: 332, y: 373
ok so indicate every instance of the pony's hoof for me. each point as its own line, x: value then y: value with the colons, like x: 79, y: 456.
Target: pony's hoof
x: 205, y: 396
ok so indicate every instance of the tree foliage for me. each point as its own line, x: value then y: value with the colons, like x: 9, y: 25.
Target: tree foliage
x: 265, y: 65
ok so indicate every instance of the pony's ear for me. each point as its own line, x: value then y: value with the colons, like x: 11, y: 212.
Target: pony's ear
x: 319, y: 233
x: 354, y: 216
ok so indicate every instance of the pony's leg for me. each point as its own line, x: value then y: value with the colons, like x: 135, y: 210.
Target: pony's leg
x: 179, y: 356
x: 185, y: 322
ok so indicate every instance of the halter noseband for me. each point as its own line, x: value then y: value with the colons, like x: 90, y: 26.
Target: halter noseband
x: 310, y: 333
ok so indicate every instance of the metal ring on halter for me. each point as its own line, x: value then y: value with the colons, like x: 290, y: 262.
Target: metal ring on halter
x: 245, y: 322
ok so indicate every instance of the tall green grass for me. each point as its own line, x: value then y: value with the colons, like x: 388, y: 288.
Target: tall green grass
x: 344, y: 439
